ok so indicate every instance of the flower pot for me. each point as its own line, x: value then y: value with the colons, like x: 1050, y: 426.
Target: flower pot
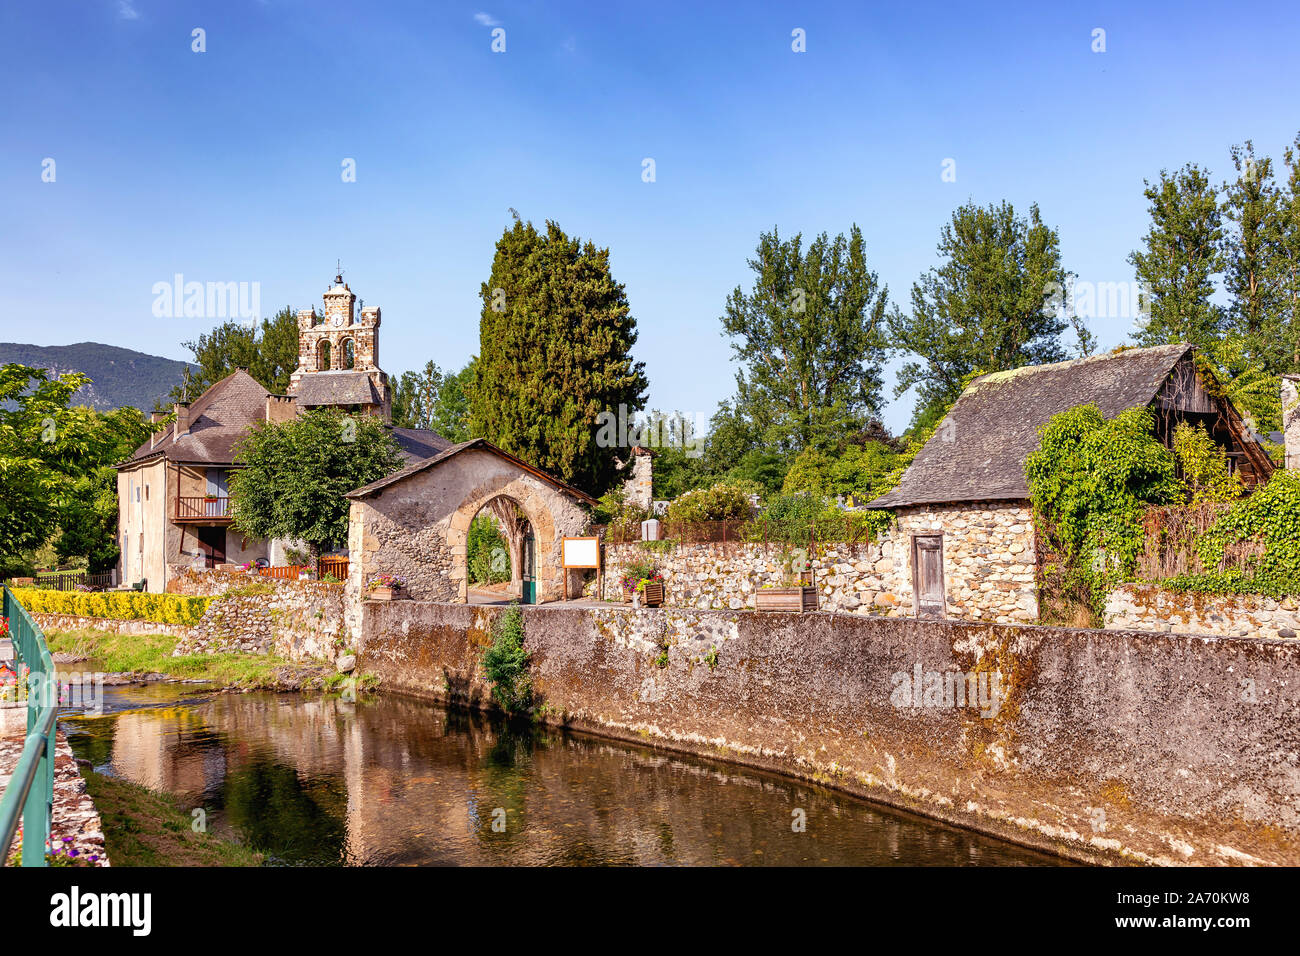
x: 653, y: 594
x: 386, y: 594
x: 796, y: 599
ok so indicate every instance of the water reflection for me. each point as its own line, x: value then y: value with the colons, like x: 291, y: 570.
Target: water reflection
x: 318, y: 780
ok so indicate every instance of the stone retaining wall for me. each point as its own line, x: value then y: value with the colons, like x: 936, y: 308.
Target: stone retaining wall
x: 1105, y: 745
x: 1144, y: 607
x: 297, y: 620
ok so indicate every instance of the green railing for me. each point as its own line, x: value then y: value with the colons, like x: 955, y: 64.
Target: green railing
x: 30, y: 791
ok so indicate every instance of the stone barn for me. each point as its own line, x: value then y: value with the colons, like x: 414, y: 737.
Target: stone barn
x: 966, y: 547
x: 415, y: 522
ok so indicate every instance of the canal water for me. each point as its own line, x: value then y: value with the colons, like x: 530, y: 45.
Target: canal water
x: 317, y: 780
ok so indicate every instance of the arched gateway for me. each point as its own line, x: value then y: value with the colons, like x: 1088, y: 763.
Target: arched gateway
x: 415, y: 523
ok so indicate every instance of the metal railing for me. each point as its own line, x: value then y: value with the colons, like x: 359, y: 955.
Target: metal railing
x: 29, y: 795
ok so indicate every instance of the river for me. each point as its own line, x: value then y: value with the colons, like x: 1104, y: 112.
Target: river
x: 317, y: 780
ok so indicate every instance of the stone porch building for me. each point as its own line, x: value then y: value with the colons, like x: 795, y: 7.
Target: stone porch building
x: 965, y: 546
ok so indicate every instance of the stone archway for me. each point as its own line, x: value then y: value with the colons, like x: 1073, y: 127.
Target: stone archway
x: 549, y: 574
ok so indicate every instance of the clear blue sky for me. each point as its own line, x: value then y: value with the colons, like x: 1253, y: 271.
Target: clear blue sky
x: 225, y: 165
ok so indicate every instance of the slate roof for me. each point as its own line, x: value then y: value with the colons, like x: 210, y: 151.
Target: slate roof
x: 418, y: 444
x: 219, y: 418
x: 223, y: 415
x: 416, y: 468
x: 336, y: 388
x: 978, y: 453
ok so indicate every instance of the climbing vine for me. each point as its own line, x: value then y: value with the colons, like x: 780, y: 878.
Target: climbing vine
x: 1090, y: 481
x: 1270, y: 519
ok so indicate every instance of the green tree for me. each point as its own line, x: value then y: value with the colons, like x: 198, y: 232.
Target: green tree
x: 1250, y: 256
x: 556, y: 335
x: 56, y: 476
x: 808, y: 339
x: 995, y: 302
x: 293, y: 475
x: 269, y: 352
x: 435, y: 400
x: 1288, y: 260
x: 1181, y: 255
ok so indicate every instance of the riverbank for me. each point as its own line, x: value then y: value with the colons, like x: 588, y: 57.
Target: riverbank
x: 151, y: 655
x: 1101, y: 746
x: 143, y: 827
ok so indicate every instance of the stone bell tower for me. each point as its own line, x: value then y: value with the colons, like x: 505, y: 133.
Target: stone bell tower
x: 338, y: 356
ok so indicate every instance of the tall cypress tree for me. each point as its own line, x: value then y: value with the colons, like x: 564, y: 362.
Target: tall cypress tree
x: 556, y: 335
x: 1182, y: 254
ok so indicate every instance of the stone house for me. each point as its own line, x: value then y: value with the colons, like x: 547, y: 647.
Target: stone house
x: 174, y: 490
x: 965, y: 546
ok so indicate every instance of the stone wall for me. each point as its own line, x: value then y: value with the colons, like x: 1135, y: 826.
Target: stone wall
x: 988, y: 557
x: 1105, y: 745
x: 1146, y: 607
x: 297, y: 620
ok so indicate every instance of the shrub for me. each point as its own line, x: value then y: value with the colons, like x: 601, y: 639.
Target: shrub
x: 720, y: 502
x: 176, y: 609
x: 506, y: 662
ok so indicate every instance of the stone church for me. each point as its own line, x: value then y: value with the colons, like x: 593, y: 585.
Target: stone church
x: 174, y: 491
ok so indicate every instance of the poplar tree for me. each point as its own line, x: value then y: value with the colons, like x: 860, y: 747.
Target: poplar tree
x: 996, y: 301
x: 556, y: 336
x: 1181, y: 255
x: 808, y: 339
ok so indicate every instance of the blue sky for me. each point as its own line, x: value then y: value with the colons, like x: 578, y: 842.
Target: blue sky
x: 225, y: 166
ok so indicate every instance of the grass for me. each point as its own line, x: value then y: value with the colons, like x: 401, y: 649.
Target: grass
x: 152, y: 654
x: 145, y: 828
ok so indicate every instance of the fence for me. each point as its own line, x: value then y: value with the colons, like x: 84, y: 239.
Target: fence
x: 335, y: 566
x: 843, y: 527
x: 1172, y: 542
x: 29, y: 794
x: 72, y: 580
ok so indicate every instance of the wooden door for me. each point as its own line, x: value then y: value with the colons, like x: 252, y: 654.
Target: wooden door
x: 927, y: 575
x: 212, y: 542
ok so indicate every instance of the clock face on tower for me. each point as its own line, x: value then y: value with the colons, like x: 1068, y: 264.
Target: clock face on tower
x: 338, y: 319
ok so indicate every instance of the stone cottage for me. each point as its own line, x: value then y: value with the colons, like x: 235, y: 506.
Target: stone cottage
x: 965, y: 546
x: 174, y: 491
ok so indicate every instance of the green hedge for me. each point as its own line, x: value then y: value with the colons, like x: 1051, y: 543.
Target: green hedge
x: 116, y: 605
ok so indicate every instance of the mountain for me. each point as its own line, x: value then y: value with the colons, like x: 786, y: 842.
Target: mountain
x: 118, y: 376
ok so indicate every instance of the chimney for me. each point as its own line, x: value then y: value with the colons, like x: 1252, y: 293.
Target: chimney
x: 182, y: 420
x: 1291, y: 419
x: 280, y: 408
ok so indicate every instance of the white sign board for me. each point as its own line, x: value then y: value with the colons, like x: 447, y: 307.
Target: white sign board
x: 581, y: 552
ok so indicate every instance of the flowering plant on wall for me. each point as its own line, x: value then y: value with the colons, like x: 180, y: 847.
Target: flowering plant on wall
x: 385, y: 580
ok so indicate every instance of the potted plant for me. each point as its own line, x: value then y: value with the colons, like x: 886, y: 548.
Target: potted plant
x: 651, y: 589
x: 796, y: 593
x: 386, y: 587
x: 633, y: 574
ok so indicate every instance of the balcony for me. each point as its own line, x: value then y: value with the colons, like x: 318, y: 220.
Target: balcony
x: 203, y: 509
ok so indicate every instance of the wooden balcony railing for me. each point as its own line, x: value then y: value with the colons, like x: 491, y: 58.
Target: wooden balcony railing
x: 202, y: 508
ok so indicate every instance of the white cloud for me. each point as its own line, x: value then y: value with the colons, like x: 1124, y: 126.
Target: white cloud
x: 125, y: 11
x: 487, y: 20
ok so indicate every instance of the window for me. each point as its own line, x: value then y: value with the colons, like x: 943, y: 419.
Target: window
x: 349, y: 353
x: 146, y: 492
x: 323, y: 356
